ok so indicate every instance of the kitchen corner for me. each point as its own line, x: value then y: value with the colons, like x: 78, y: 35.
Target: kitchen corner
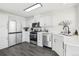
x: 37, y: 35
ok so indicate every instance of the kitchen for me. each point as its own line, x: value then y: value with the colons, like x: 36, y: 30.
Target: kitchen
x: 53, y: 26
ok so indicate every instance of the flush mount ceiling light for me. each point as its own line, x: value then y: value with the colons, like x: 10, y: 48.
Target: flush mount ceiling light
x: 30, y: 8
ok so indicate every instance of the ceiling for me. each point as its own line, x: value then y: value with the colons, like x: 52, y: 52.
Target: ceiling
x: 18, y: 8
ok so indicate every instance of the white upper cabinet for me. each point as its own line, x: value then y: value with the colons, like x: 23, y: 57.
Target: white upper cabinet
x: 44, y: 20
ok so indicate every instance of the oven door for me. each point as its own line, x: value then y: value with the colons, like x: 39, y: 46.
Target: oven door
x: 33, y: 36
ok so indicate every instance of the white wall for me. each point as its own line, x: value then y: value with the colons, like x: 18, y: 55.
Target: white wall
x: 65, y: 14
x: 3, y: 30
x: 29, y: 21
x: 53, y: 18
x: 21, y: 21
x: 4, y: 18
x: 45, y: 21
x: 77, y: 17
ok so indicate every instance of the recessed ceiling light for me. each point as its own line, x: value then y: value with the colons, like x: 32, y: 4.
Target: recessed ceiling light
x: 30, y: 8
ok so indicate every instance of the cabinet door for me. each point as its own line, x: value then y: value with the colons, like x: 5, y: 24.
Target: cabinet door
x: 39, y: 39
x: 49, y: 40
x: 72, y: 50
x: 19, y: 38
x: 12, y: 39
x: 25, y: 36
x: 58, y: 44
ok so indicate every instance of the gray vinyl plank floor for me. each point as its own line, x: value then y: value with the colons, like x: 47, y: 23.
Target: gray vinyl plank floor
x: 27, y: 49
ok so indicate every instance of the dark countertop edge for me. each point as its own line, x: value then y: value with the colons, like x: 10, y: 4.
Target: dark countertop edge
x: 14, y: 32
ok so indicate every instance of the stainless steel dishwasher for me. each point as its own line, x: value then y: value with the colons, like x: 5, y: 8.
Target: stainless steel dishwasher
x: 45, y: 42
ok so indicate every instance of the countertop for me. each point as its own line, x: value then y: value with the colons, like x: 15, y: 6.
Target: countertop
x: 71, y: 40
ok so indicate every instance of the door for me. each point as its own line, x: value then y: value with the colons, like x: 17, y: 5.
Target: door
x: 12, y: 32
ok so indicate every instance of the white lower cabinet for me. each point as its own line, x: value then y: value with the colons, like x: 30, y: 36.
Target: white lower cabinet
x: 72, y: 50
x: 65, y: 45
x: 39, y: 39
x: 71, y: 45
x: 12, y: 39
x: 58, y: 44
x: 25, y: 36
x: 49, y: 40
x: 19, y: 38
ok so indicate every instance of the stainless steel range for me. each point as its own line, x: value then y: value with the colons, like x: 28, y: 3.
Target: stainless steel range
x: 33, y: 34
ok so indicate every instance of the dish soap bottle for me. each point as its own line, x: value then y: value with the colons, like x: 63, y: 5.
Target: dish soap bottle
x: 76, y: 32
